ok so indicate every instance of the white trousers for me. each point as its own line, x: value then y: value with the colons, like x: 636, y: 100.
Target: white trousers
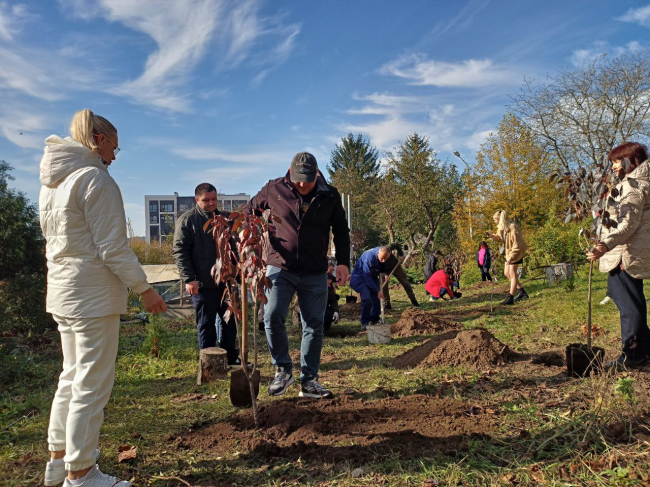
x: 89, y: 353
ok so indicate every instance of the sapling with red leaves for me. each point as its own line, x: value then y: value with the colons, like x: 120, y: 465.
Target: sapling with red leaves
x: 590, y: 190
x: 239, y: 242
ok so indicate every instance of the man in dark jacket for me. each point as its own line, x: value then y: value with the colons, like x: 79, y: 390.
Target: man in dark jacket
x: 400, y: 275
x: 296, y: 257
x: 431, y: 265
x: 195, y: 254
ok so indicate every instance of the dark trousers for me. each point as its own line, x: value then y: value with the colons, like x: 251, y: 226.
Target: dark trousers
x: 627, y: 293
x: 402, y: 278
x: 485, y: 274
x: 210, y: 324
x: 370, y: 309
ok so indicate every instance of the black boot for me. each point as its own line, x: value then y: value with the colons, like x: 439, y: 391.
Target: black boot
x: 510, y: 300
x: 387, y: 305
x: 522, y: 294
x: 414, y: 302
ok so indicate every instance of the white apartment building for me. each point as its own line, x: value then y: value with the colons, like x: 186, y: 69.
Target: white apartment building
x: 161, y: 211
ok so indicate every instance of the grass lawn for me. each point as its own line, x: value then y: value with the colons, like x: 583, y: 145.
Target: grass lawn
x: 512, y: 424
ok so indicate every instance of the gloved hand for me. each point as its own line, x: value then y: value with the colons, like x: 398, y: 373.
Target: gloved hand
x: 336, y: 317
x: 458, y: 294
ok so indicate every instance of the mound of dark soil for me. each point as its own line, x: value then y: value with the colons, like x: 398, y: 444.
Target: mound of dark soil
x: 474, y: 348
x: 415, y: 321
x: 350, y: 311
x: 345, y: 429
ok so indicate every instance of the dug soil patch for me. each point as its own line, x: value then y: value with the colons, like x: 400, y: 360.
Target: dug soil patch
x: 472, y: 348
x: 350, y: 311
x: 418, y: 322
x: 346, y: 429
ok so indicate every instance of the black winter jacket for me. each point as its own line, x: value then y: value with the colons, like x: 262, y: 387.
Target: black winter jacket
x: 300, y: 245
x: 194, y: 250
x: 430, y: 266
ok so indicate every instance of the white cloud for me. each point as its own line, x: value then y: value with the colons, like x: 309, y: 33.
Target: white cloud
x: 601, y: 48
x: 475, y: 140
x: 186, y: 33
x: 639, y: 16
x: 195, y: 153
x: 21, y: 75
x: 465, y: 74
x: 22, y: 128
x: 12, y: 19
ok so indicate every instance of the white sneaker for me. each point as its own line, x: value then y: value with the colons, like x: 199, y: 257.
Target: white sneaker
x: 606, y: 300
x: 56, y: 474
x: 96, y: 478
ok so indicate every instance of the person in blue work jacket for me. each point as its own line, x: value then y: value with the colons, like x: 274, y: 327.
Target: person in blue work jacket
x: 365, y: 281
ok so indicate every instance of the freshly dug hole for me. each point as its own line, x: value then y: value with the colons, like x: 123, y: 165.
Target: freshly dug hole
x: 418, y: 322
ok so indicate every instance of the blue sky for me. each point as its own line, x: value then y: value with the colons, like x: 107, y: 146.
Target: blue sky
x: 228, y: 91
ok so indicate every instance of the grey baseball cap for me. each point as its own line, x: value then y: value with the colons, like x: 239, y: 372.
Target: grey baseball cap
x: 304, y: 168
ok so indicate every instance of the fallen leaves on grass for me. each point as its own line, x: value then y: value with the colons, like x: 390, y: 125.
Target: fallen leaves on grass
x: 127, y: 453
x: 596, y: 330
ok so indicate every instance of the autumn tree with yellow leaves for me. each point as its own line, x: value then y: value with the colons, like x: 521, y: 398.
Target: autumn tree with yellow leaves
x: 511, y: 174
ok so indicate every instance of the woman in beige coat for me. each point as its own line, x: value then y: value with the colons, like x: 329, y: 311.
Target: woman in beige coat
x: 89, y: 266
x: 624, y: 251
x: 508, y: 232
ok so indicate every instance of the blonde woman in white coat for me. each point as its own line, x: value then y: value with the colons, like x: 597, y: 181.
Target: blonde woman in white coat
x: 90, y: 266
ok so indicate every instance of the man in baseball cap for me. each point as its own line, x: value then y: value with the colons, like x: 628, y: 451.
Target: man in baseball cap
x: 296, y: 259
x: 304, y: 168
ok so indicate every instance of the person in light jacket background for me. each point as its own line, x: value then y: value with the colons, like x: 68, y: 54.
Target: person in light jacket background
x: 89, y: 266
x: 508, y: 232
x: 624, y: 251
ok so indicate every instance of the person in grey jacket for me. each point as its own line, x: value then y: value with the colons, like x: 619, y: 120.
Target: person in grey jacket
x: 195, y: 254
x: 624, y: 251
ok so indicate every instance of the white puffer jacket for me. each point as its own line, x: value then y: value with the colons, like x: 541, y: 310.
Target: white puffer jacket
x: 629, y: 242
x: 82, y: 217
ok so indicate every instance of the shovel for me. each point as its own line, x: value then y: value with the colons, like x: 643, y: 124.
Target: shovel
x: 240, y: 385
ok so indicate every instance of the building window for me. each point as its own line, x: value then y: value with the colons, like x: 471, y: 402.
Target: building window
x: 185, y: 203
x: 166, y: 224
x: 153, y: 218
x: 153, y: 207
x: 153, y: 232
x: 167, y: 206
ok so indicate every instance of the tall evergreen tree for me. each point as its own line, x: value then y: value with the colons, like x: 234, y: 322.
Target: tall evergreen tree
x: 354, y: 169
x: 426, y: 190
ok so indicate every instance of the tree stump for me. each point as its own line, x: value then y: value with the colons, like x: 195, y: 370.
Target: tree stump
x: 213, y: 365
x: 559, y: 272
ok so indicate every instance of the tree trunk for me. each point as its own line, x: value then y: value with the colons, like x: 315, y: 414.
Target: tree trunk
x: 213, y: 365
x: 591, y: 272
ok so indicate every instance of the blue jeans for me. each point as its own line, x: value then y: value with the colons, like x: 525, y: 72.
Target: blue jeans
x: 210, y: 323
x: 627, y: 293
x: 370, y: 306
x: 443, y: 291
x: 312, y: 298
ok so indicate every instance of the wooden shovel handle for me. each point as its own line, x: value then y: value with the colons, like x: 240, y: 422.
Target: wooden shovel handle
x: 244, y: 321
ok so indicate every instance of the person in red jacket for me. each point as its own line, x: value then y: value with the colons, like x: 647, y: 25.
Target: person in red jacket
x: 440, y: 284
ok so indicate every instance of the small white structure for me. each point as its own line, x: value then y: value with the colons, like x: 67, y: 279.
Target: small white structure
x: 165, y: 280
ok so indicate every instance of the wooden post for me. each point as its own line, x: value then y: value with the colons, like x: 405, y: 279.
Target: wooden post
x: 213, y: 365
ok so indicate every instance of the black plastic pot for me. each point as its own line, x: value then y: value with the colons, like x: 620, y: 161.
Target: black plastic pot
x: 581, y: 360
x: 350, y: 299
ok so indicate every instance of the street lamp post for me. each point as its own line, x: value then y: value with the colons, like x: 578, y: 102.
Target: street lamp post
x: 469, y: 193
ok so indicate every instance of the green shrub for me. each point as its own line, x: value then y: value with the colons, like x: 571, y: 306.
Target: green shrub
x: 22, y: 305
x: 157, y: 336
x: 555, y: 243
